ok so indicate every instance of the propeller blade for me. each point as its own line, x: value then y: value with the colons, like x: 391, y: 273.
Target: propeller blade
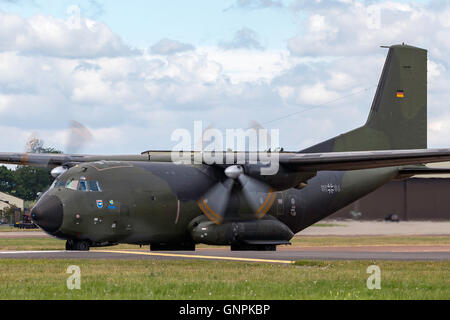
x: 215, y: 201
x: 79, y: 135
x: 259, y: 195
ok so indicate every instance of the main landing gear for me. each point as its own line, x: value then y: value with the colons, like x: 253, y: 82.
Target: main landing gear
x: 78, y: 245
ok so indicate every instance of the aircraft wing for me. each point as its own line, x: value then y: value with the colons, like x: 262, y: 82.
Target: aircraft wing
x: 331, y: 161
x: 52, y: 160
x: 336, y: 161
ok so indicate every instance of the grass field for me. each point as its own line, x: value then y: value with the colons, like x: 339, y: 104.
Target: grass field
x: 147, y: 279
x: 170, y: 279
x: 7, y: 228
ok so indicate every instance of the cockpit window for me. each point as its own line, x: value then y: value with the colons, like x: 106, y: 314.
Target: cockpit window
x: 94, y: 186
x: 72, y: 184
x: 60, y: 183
x: 83, y: 184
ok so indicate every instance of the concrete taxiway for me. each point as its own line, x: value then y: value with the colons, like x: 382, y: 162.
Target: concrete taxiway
x: 284, y: 255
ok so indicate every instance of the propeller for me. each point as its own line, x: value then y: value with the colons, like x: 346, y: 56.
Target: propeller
x: 77, y: 137
x: 259, y: 196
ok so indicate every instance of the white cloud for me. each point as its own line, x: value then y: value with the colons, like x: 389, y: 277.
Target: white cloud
x: 317, y: 23
x: 244, y: 38
x: 48, y: 36
x: 340, y: 80
x: 241, y: 65
x: 286, y: 92
x: 337, y: 28
x: 134, y: 102
x: 439, y: 131
x: 257, y: 4
x: 4, y: 102
x: 168, y: 47
x: 315, y: 94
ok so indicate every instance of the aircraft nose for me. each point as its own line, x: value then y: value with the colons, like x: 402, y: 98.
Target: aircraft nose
x: 48, y: 214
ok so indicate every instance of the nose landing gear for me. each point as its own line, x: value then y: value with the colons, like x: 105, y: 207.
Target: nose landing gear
x: 77, y: 245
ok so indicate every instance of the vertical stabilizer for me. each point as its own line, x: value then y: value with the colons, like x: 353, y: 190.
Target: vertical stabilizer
x: 398, y: 116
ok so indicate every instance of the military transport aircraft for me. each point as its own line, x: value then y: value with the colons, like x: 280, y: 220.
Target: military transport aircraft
x: 147, y: 199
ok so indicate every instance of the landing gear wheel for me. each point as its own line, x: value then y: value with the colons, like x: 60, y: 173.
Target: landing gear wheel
x: 69, y: 245
x: 74, y: 245
x: 82, y: 245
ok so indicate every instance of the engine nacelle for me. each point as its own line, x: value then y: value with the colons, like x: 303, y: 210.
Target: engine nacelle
x: 266, y: 231
x: 56, y: 172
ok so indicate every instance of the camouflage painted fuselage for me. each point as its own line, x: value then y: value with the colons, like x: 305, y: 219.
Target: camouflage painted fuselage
x: 155, y: 202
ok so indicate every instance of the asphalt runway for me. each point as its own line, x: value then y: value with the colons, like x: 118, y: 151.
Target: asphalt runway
x: 285, y: 255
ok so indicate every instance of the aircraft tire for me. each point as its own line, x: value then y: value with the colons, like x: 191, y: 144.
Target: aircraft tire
x: 69, y: 245
x: 72, y: 245
x: 82, y: 245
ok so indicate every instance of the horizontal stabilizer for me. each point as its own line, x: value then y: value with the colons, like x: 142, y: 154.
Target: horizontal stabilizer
x: 407, y: 172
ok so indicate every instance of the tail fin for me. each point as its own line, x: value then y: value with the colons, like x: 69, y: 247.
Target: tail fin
x: 398, y: 117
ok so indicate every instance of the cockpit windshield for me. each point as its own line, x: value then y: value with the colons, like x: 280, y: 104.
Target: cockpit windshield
x: 94, y: 186
x: 72, y: 184
x: 81, y: 184
x: 59, y: 183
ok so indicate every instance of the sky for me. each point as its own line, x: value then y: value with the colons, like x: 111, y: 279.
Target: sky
x: 135, y: 71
